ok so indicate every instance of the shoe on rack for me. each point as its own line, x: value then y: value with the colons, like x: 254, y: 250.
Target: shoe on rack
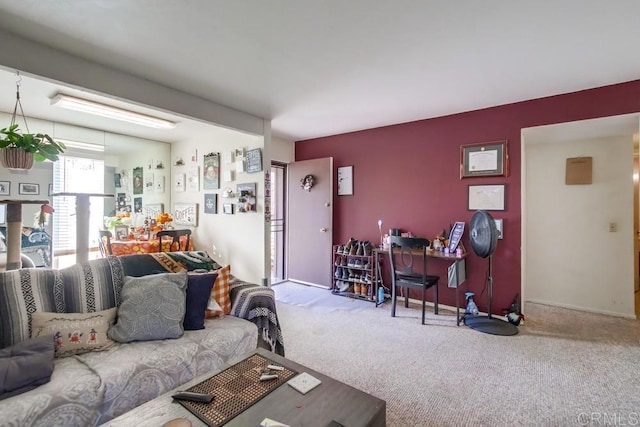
x: 364, y: 289
x: 367, y: 248
x: 356, y: 288
x: 338, y: 261
x: 343, y: 286
x: 347, y: 248
x: 345, y: 274
x: 350, y: 262
x: 353, y: 250
x: 360, y: 250
x: 344, y: 262
x: 338, y: 273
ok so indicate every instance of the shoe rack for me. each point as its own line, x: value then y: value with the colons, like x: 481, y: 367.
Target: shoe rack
x: 354, y: 271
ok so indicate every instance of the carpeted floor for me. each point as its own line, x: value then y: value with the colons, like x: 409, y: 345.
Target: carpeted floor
x: 563, y: 368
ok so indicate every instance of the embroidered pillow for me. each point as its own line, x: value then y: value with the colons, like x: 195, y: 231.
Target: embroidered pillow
x: 152, y: 308
x: 75, y: 333
x: 220, y: 293
x: 198, y: 292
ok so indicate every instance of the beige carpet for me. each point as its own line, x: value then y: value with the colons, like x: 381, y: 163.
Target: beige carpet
x: 563, y: 368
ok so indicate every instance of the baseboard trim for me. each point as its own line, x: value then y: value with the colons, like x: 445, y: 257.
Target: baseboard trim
x: 585, y: 309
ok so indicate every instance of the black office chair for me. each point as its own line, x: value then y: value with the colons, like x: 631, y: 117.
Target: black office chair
x: 175, y: 244
x: 104, y: 243
x: 408, y: 261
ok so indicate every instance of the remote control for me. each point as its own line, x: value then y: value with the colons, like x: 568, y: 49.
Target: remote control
x: 275, y: 367
x: 193, y: 397
x: 266, y: 377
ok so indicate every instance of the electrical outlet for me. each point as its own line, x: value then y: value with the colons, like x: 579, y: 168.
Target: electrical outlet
x: 613, y: 227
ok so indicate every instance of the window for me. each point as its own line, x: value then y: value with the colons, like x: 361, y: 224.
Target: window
x: 76, y: 175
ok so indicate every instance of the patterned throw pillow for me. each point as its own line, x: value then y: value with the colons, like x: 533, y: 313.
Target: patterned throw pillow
x: 220, y: 293
x: 75, y: 333
x: 152, y: 308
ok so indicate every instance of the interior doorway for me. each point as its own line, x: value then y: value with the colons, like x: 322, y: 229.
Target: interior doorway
x: 578, y: 248
x: 278, y: 221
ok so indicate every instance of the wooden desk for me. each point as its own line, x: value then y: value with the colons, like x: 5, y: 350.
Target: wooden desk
x: 431, y: 253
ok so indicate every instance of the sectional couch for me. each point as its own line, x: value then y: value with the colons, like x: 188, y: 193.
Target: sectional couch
x: 91, y: 388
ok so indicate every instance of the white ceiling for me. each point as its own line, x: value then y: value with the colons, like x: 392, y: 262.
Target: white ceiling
x: 319, y: 68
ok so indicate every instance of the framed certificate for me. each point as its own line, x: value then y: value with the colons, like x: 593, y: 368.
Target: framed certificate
x: 486, y: 159
x: 486, y: 197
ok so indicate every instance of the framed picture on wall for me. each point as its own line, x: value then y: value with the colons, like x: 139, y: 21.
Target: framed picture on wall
x: 28, y: 189
x: 211, y: 171
x: 227, y: 208
x: 486, y: 197
x: 485, y: 159
x: 210, y: 203
x: 345, y: 181
x: 5, y: 188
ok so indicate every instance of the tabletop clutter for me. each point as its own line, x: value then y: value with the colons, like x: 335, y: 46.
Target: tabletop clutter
x: 440, y: 242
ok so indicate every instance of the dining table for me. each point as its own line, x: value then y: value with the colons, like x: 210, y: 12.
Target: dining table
x: 144, y: 245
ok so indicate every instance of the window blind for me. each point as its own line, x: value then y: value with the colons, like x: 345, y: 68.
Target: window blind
x: 76, y: 175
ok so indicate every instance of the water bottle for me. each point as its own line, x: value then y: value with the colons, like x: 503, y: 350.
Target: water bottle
x: 472, y: 308
x: 380, y: 295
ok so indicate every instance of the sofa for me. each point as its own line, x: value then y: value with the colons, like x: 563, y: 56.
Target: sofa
x: 86, y: 388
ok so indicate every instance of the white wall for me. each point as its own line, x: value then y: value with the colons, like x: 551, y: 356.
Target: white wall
x: 282, y: 150
x: 571, y: 259
x: 238, y: 238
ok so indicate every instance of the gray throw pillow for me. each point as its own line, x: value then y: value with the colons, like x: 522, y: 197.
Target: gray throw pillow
x: 26, y: 365
x: 152, y: 308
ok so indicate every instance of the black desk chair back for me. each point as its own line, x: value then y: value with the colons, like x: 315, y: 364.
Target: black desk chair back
x: 175, y: 243
x: 104, y: 243
x: 408, y: 261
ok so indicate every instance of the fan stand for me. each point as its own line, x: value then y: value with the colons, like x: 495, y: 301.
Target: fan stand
x: 489, y: 324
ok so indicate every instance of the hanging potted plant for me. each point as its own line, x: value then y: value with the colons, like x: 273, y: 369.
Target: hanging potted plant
x: 19, y: 150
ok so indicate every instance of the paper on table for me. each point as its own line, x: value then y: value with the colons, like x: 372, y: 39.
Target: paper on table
x: 268, y: 422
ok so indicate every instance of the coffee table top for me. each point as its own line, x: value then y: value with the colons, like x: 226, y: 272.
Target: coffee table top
x: 330, y: 401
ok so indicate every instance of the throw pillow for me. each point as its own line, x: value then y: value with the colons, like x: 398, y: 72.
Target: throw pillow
x: 152, y: 308
x: 25, y: 366
x: 23, y: 292
x: 198, y: 292
x: 75, y: 333
x: 220, y: 292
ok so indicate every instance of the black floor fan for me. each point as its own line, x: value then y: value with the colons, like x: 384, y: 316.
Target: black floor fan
x: 484, y: 237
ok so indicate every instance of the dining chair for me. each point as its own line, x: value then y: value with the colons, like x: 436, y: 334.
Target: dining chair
x: 408, y: 262
x: 175, y: 243
x: 104, y: 243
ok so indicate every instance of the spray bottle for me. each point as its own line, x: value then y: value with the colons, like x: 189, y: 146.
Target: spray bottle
x: 472, y: 308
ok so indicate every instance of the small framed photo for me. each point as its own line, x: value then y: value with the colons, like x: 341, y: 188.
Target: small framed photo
x: 5, y: 188
x: 485, y: 159
x: 498, y: 222
x: 121, y: 232
x: 345, y: 181
x: 227, y: 208
x: 486, y: 197
x: 210, y: 203
x: 28, y: 188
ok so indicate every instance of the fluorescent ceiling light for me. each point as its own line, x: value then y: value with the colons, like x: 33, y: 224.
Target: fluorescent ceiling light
x: 91, y: 107
x: 80, y: 145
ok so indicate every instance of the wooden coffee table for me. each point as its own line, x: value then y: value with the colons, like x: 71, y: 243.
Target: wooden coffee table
x: 330, y: 401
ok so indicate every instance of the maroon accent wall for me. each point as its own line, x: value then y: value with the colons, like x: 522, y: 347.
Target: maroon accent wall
x: 409, y: 176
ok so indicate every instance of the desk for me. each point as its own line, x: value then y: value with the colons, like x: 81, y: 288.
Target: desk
x: 128, y: 247
x: 435, y: 255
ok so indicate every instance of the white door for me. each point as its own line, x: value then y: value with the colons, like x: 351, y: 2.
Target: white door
x: 309, y: 220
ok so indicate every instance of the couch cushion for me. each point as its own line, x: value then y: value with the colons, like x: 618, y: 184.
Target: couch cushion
x: 220, y: 292
x: 23, y: 292
x: 198, y: 292
x: 25, y: 366
x: 93, y: 286
x: 75, y: 333
x: 152, y: 308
